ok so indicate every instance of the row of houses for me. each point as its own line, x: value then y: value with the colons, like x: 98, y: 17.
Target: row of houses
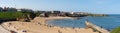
x: 11, y: 9
x: 59, y: 13
x: 45, y: 13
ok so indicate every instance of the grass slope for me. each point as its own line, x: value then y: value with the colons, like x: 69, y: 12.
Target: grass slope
x: 116, y: 30
x: 10, y: 14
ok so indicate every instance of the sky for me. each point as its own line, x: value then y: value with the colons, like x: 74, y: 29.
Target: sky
x: 91, y: 6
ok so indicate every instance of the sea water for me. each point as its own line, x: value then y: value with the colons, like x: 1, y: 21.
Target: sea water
x: 108, y: 22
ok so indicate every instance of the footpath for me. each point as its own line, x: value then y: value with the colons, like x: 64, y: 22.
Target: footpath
x: 3, y: 30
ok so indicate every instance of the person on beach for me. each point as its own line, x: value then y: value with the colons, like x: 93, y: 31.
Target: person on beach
x: 73, y: 27
x: 59, y: 31
x: 39, y: 23
x: 9, y: 24
x: 12, y: 31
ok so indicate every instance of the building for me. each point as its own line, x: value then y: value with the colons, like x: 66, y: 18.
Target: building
x: 40, y: 12
x: 1, y: 9
x: 19, y: 10
x: 56, y: 12
x: 7, y: 9
x: 25, y: 10
x: 82, y: 13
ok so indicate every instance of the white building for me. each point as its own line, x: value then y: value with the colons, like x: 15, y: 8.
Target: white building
x: 25, y: 10
x: 19, y: 10
x: 71, y: 12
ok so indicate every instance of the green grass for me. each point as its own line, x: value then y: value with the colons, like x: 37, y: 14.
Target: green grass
x: 10, y: 14
x: 116, y: 30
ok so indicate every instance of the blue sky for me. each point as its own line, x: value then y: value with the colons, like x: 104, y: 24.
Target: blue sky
x: 91, y: 6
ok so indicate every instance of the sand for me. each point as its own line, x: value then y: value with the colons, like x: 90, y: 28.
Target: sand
x: 38, y: 25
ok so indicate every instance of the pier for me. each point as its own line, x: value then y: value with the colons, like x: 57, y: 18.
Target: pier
x: 95, y: 27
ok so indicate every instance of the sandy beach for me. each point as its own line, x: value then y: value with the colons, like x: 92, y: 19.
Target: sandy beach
x: 38, y: 25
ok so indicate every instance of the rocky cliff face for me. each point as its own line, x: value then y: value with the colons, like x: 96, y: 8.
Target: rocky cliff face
x: 24, y: 18
x: 4, y: 20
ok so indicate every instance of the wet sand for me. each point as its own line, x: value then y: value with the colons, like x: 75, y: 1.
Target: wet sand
x: 38, y: 25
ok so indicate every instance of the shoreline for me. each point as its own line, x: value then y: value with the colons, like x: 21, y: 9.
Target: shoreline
x: 38, y: 25
x: 54, y: 18
x: 59, y: 18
